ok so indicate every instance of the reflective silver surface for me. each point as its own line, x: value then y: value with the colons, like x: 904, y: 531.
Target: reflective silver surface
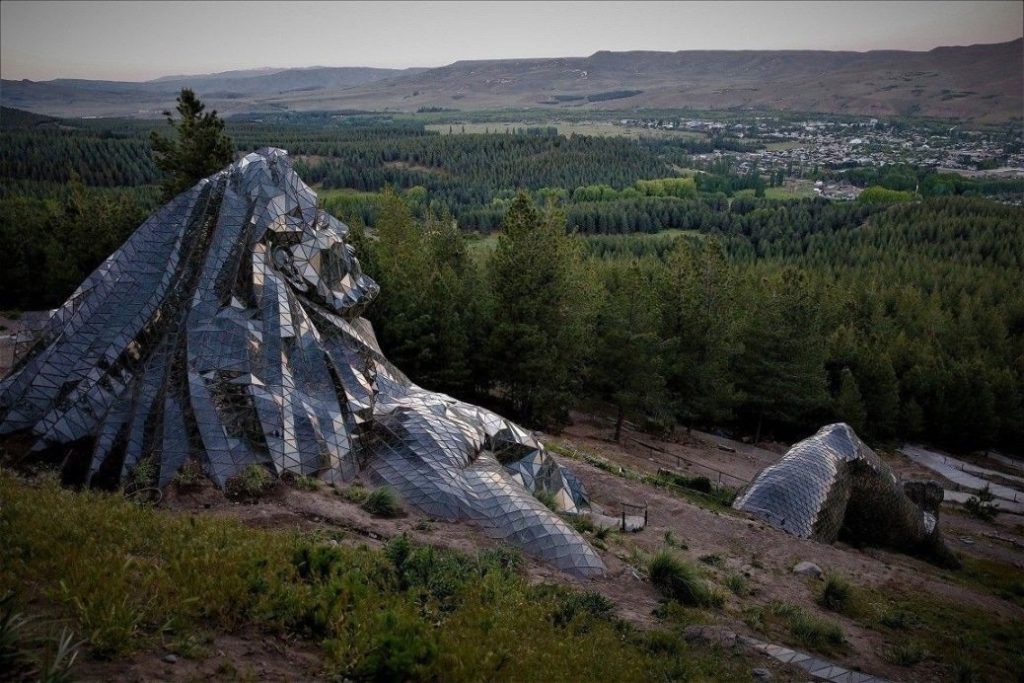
x: 833, y: 482
x: 227, y: 329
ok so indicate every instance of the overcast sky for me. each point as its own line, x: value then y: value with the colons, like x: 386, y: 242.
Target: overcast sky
x: 141, y: 40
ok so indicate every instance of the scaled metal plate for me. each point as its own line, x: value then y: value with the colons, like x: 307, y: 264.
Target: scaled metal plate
x: 833, y: 482
x: 227, y: 328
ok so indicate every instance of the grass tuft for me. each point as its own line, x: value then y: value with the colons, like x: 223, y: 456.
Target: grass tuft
x: 907, y: 653
x: 835, y: 593
x: 383, y: 502
x: 253, y: 482
x: 816, y: 633
x: 681, y: 581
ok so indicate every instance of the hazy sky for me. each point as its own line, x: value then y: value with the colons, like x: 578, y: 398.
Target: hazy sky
x: 141, y: 40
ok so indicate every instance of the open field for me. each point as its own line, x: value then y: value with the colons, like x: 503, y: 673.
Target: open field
x: 592, y: 128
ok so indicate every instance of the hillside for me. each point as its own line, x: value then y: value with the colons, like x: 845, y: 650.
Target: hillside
x: 230, y: 91
x: 978, y: 82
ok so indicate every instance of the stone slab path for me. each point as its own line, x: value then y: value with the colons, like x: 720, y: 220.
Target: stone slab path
x: 820, y: 669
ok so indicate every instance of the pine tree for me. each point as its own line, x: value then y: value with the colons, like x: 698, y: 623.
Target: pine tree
x: 626, y: 368
x: 540, y: 312
x: 849, y: 406
x: 200, y: 148
x: 781, y: 375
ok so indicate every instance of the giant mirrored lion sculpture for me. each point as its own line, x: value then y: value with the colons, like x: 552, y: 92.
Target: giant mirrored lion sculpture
x: 227, y: 329
x: 832, y: 485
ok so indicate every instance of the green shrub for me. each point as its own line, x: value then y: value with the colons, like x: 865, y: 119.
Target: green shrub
x: 588, y: 605
x: 711, y: 560
x: 737, y: 583
x: 896, y: 619
x: 382, y: 502
x: 835, y: 593
x: 143, y: 475
x: 815, y: 633
x: 305, y: 483
x: 190, y: 476
x: 355, y: 493
x: 252, y: 482
x: 981, y: 505
x: 679, y: 580
x: 907, y: 653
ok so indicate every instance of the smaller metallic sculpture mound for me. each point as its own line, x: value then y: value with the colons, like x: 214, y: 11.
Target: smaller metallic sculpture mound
x: 832, y: 484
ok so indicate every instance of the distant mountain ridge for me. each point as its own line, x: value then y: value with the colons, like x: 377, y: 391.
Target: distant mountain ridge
x: 976, y: 82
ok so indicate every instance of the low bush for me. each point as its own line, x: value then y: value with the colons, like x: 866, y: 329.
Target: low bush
x: 981, y: 505
x: 738, y: 584
x: 679, y: 580
x: 382, y: 502
x: 190, y: 476
x: 815, y: 633
x: 305, y: 483
x: 835, y: 593
x: 907, y: 653
x: 254, y: 481
x: 354, y: 493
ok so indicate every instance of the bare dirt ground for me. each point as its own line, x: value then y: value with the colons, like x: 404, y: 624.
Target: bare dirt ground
x: 722, y: 542
x: 766, y: 555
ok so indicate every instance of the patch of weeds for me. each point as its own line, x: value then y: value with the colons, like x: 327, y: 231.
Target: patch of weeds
x: 817, y: 634
x: 981, y: 505
x: 999, y: 578
x: 603, y: 533
x: 383, y: 502
x: 190, y: 476
x: 253, y: 482
x: 585, y: 607
x: 792, y: 624
x: 305, y: 483
x: 965, y: 671
x: 907, y: 653
x: 681, y: 615
x: 424, y: 525
x: 548, y: 499
x: 679, y: 580
x: 835, y: 593
x: 896, y: 619
x: 143, y: 475
x: 712, y: 560
x: 581, y: 523
x: 953, y: 633
x: 26, y: 654
x: 738, y: 584
x: 355, y: 493
x: 191, y: 645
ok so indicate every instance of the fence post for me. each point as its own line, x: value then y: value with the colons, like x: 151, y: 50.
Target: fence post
x: 645, y: 514
x: 623, y: 517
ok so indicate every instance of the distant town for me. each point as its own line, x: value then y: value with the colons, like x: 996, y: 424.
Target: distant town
x: 803, y: 148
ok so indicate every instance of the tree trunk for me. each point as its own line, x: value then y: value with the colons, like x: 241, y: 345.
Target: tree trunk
x: 757, y: 434
x: 618, y: 423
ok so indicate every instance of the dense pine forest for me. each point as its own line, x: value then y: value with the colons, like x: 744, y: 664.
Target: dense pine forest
x: 542, y: 271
